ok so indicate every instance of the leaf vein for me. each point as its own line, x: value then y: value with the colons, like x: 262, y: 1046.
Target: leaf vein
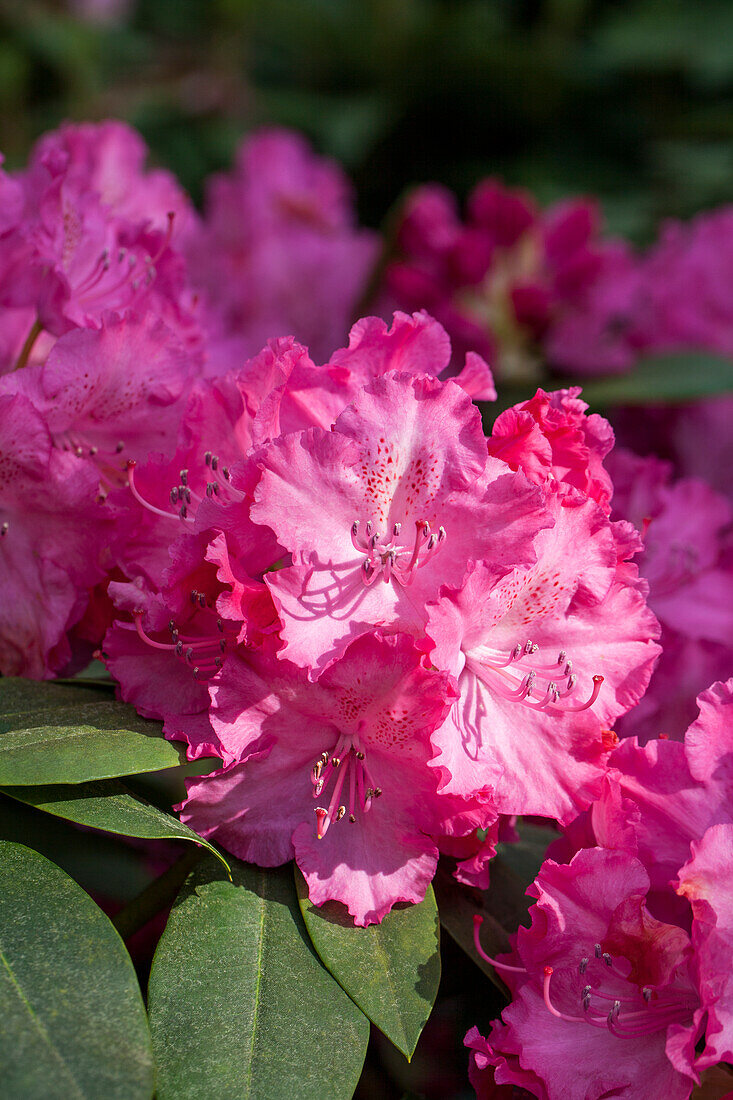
x: 36, y: 1021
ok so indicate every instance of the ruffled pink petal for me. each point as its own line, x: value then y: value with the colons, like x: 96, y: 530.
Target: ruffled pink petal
x: 707, y: 881
x: 375, y: 863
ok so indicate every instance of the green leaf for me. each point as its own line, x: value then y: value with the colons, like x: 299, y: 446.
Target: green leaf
x: 73, y: 1020
x: 62, y: 733
x: 240, y: 1005
x: 661, y: 380
x: 390, y: 970
x: 110, y: 806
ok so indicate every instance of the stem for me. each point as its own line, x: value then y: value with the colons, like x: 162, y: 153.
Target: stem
x: 157, y: 896
x: 25, y: 351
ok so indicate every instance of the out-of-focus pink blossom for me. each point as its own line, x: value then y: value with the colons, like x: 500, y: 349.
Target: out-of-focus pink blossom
x: 688, y: 565
x: 52, y: 533
x: 278, y: 252
x: 95, y: 234
x: 672, y: 298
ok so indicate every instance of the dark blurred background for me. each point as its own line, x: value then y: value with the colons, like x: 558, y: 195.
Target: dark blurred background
x: 629, y: 99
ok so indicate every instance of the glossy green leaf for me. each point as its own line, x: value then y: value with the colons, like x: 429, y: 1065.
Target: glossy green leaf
x: 661, y: 380
x: 110, y: 806
x: 63, y: 733
x: 390, y: 970
x: 240, y: 1005
x: 73, y: 1020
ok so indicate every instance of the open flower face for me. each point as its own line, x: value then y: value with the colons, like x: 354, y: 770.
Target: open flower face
x: 333, y: 772
x: 381, y: 511
x: 546, y: 658
x: 604, y: 999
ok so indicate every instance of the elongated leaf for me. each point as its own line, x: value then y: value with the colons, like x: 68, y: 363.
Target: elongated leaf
x: 662, y: 379
x: 63, y: 733
x: 110, y: 806
x: 240, y: 1005
x: 73, y: 1020
x: 390, y: 970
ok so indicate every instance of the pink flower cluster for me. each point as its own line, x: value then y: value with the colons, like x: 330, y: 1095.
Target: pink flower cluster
x: 108, y: 320
x: 386, y: 625
x: 622, y: 984
x: 388, y: 634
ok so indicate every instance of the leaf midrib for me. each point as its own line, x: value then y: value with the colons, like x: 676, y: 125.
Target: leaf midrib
x: 258, y: 982
x: 38, y: 1025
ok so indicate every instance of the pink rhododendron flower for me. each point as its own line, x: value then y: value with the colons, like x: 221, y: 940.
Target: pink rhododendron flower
x: 278, y: 252
x: 689, y: 568
x: 405, y: 496
x: 604, y: 996
x: 108, y: 159
x: 657, y: 799
x: 556, y: 445
x: 556, y: 650
x: 334, y: 773
x: 111, y: 393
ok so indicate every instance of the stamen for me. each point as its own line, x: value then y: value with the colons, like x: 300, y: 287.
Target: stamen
x: 556, y: 1012
x: 388, y: 559
x: 146, y: 503
x: 478, y: 920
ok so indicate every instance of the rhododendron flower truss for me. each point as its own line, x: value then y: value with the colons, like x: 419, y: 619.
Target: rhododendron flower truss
x: 334, y: 772
x: 547, y: 656
x: 382, y: 510
x: 605, y: 1000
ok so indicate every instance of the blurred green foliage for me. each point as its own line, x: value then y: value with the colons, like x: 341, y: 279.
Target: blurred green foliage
x: 628, y: 99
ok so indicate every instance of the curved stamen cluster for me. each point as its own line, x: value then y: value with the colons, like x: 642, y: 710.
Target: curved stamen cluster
x: 125, y: 268
x: 645, y: 1010
x: 182, y: 495
x: 204, y: 654
x: 388, y: 557
x: 521, y: 677
x: 347, y: 759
